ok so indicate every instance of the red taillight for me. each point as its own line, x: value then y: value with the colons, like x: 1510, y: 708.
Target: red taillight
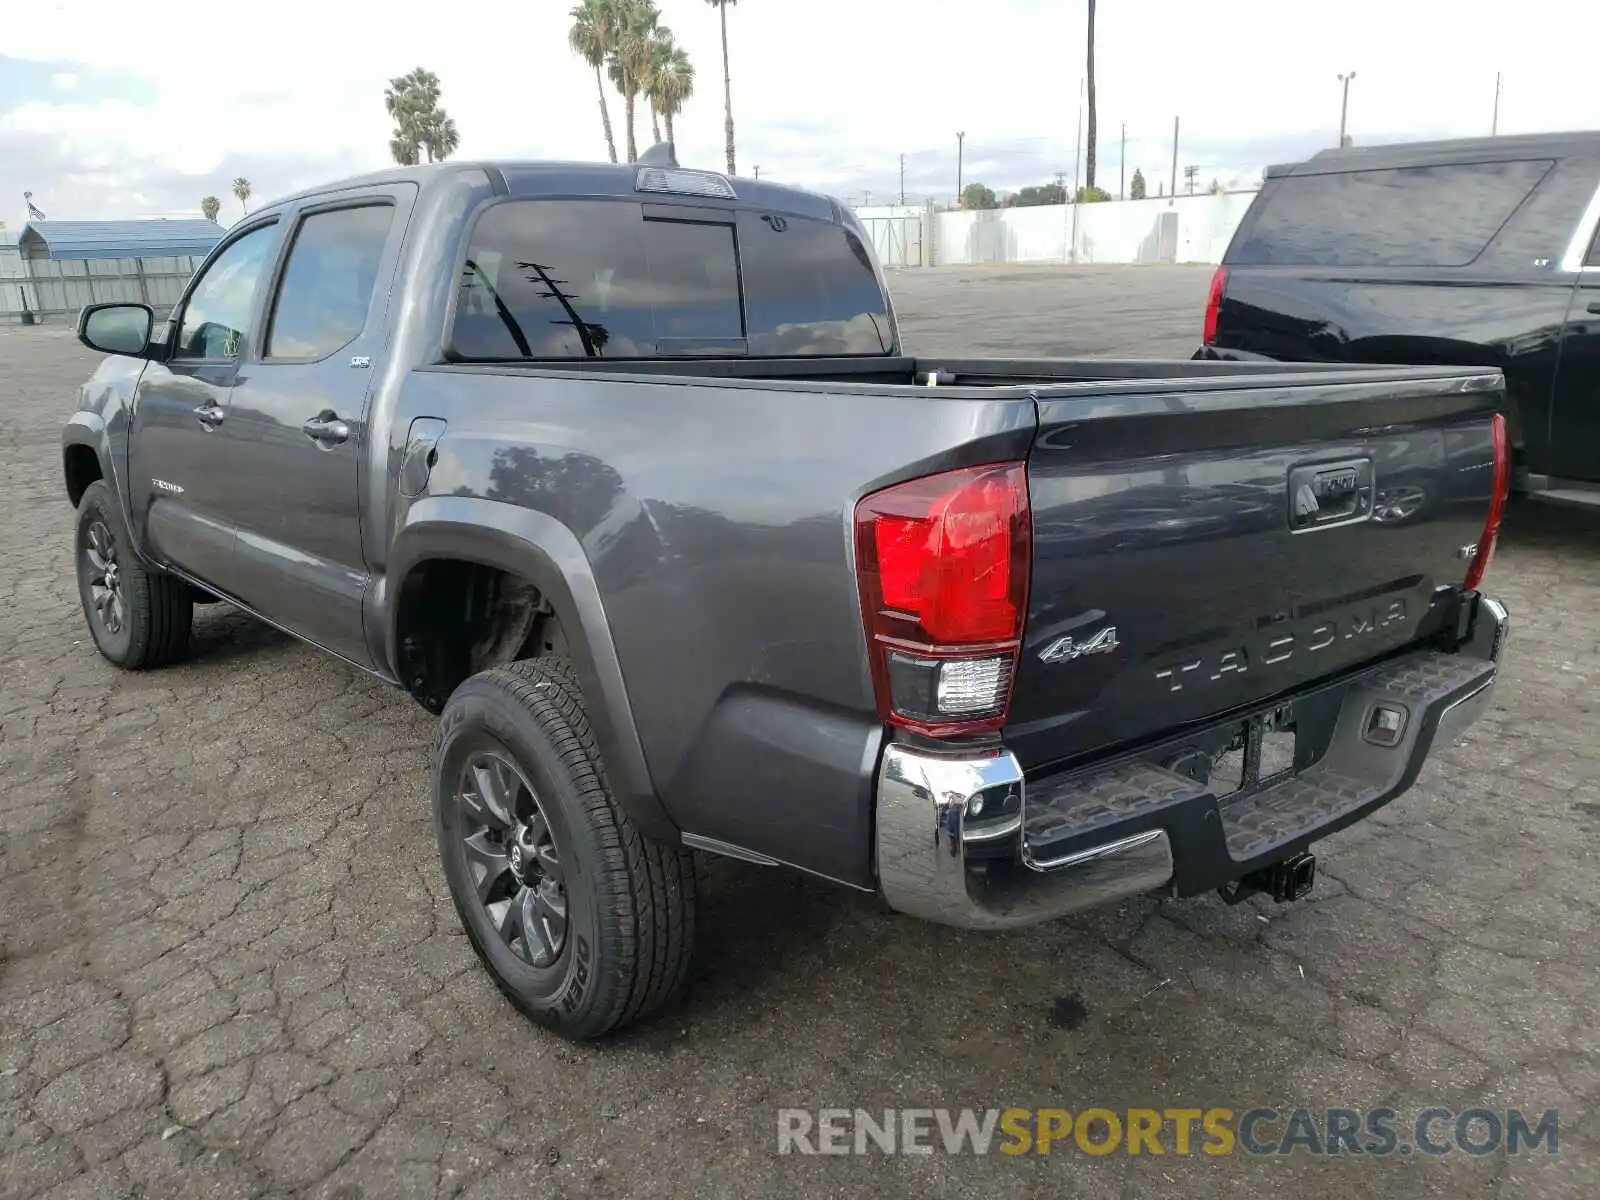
x: 1219, y: 282
x: 943, y: 564
x: 1497, y: 504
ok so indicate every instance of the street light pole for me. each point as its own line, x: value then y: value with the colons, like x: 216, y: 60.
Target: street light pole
x: 1173, y: 194
x: 902, y: 179
x: 1122, y: 166
x: 1077, y: 156
x: 961, y: 145
x: 1494, y: 125
x: 1344, y: 103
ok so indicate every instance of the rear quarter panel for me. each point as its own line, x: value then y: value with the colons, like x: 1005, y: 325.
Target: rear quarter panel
x: 716, y: 517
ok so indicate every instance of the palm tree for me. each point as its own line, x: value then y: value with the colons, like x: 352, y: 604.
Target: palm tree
x: 593, y: 37
x: 660, y: 47
x: 210, y: 206
x: 404, y: 151
x: 1088, y: 158
x: 671, y: 81
x: 638, y: 25
x: 727, y: 78
x: 439, y: 136
x: 412, y: 100
x: 241, y: 190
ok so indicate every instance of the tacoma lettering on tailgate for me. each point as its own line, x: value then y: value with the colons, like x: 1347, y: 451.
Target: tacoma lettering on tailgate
x: 1272, y: 647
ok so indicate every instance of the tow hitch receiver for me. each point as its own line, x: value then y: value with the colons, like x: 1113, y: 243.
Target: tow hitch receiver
x: 1284, y: 881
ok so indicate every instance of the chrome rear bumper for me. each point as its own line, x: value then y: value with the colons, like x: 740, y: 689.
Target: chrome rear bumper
x: 1149, y: 828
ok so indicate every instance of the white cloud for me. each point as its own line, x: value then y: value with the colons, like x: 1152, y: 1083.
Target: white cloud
x: 65, y: 80
x: 826, y: 92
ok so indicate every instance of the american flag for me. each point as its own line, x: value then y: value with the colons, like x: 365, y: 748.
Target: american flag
x: 33, y: 212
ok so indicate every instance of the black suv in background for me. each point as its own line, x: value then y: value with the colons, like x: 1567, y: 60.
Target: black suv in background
x: 1454, y: 253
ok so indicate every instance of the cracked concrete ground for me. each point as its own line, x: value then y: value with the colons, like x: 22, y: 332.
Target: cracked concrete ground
x: 229, y: 968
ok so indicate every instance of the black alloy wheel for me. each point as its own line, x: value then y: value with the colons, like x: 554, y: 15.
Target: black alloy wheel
x: 102, y: 573
x: 512, y: 856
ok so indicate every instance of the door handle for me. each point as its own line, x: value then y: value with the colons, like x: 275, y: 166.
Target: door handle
x: 210, y: 414
x: 326, y: 428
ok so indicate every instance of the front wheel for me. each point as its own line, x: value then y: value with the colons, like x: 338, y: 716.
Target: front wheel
x: 583, y: 924
x: 139, y: 618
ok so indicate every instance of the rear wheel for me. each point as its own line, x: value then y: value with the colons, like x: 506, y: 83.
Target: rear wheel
x: 139, y: 618
x: 584, y: 925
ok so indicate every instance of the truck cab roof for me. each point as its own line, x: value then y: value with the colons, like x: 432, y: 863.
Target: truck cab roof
x: 548, y: 179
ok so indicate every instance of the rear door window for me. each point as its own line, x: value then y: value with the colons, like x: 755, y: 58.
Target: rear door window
x: 1427, y: 216
x: 328, y: 283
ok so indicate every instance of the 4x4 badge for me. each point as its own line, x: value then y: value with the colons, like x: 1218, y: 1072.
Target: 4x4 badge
x: 1065, y: 649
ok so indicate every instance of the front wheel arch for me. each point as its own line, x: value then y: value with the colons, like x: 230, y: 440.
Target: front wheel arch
x: 81, y: 467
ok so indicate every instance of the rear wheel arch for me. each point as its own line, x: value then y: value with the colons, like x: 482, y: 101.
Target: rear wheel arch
x: 474, y: 584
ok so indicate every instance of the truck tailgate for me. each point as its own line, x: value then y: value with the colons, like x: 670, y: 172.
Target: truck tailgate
x: 1208, y: 550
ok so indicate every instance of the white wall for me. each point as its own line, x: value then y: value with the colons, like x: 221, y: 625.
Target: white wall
x: 1192, y: 229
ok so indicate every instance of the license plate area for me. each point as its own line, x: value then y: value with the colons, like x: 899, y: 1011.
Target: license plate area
x: 1246, y: 756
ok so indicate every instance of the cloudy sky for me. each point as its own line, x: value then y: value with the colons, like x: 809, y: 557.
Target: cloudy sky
x: 111, y: 109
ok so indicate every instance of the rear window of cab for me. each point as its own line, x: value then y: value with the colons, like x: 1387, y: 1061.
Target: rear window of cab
x: 569, y: 279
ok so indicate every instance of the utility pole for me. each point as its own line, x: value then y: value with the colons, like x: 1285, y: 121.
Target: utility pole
x: 961, y: 145
x: 902, y: 179
x: 1494, y: 125
x: 1122, y: 166
x: 758, y: 170
x: 1344, y: 103
x: 1189, y: 173
x: 1172, y: 195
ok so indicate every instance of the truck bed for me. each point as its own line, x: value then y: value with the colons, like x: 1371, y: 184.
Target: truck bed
x: 908, y: 371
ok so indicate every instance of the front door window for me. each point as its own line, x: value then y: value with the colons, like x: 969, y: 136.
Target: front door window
x: 217, y: 314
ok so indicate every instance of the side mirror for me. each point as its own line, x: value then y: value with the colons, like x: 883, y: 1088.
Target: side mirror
x: 116, y: 328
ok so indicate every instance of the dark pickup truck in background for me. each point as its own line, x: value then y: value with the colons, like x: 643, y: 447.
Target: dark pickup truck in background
x: 624, y: 471
x: 1471, y: 252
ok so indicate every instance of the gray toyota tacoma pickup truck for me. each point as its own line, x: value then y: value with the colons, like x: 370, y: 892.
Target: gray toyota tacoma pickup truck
x: 625, y: 473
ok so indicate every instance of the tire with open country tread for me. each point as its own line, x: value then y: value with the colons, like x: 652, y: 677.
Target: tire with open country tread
x: 585, y: 925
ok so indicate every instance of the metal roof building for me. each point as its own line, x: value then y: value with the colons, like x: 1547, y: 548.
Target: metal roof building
x: 108, y: 241
x: 53, y: 268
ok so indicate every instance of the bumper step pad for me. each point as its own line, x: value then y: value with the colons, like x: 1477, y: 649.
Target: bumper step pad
x: 1442, y: 692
